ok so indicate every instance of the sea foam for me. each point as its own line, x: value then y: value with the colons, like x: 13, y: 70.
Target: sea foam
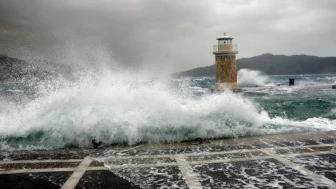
x: 127, y: 107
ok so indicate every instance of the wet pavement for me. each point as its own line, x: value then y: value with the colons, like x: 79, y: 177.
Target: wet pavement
x: 306, y: 160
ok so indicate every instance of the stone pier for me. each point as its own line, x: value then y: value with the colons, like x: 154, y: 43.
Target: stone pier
x: 302, y: 160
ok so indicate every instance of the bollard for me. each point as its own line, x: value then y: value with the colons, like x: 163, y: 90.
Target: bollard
x: 291, y: 81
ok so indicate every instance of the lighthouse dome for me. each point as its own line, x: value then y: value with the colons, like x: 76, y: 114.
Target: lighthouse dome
x: 224, y: 36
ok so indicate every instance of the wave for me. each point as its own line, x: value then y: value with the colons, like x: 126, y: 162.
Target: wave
x: 252, y: 78
x: 130, y: 108
x: 313, y: 80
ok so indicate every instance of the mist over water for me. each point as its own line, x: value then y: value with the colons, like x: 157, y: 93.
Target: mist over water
x: 131, y: 107
x: 252, y: 78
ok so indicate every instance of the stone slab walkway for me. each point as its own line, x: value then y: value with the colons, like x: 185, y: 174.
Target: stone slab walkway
x: 306, y: 160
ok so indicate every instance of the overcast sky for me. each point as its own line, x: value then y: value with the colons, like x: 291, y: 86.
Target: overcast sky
x: 165, y: 33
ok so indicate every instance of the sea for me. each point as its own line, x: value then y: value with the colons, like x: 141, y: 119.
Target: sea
x: 123, y: 107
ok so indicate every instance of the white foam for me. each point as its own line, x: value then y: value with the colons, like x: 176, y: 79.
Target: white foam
x: 128, y: 107
x: 15, y: 91
x: 252, y: 78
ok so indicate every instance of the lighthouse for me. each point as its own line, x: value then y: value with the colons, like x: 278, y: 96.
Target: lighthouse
x: 226, y: 69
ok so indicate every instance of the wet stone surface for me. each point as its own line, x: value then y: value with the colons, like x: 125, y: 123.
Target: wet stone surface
x: 203, y: 148
x: 44, y: 165
x: 139, y: 161
x: 303, y: 150
x: 324, y: 148
x: 224, y: 156
x: 173, y: 151
x: 153, y: 177
x: 104, y: 179
x: 225, y: 163
x: 34, y: 180
x: 268, y: 173
x: 214, y: 146
x: 45, y: 154
x: 277, y: 144
x: 324, y: 164
x: 96, y: 164
x: 294, y: 150
x: 328, y: 141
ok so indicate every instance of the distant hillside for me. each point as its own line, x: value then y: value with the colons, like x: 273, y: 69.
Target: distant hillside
x: 275, y: 65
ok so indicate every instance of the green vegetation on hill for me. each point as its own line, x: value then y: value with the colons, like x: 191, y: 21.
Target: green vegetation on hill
x: 275, y: 65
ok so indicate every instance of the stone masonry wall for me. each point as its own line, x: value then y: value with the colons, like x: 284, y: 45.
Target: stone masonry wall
x: 226, y: 71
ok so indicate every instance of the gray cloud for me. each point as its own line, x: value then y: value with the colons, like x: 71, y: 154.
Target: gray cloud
x: 172, y: 34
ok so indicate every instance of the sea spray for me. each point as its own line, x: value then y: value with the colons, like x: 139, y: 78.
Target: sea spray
x: 252, y: 78
x: 126, y: 107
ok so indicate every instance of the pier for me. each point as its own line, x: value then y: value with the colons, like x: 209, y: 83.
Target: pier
x: 287, y: 160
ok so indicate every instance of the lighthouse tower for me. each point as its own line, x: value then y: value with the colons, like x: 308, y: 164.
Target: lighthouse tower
x: 226, y: 68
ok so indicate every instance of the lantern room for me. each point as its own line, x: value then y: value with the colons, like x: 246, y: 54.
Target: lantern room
x: 225, y: 45
x: 224, y: 39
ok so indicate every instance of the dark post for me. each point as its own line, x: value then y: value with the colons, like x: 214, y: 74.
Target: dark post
x: 291, y: 81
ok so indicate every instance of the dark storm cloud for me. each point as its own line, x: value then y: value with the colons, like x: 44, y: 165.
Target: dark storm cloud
x: 175, y: 34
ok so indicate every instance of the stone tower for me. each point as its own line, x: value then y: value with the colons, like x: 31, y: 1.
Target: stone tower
x: 226, y: 68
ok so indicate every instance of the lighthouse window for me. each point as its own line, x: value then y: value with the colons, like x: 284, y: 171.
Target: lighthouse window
x: 225, y: 41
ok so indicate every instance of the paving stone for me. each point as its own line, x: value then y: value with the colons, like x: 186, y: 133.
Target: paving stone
x: 324, y: 164
x: 154, y: 165
x: 96, y: 164
x: 224, y: 156
x: 42, y: 165
x: 34, y: 180
x: 45, y: 154
x: 138, y: 161
x: 104, y: 179
x: 268, y: 173
x: 154, y: 177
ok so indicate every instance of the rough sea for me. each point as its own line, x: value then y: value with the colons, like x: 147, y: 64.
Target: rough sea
x: 132, y: 108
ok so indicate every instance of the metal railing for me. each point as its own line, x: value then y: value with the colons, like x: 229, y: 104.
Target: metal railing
x: 225, y: 48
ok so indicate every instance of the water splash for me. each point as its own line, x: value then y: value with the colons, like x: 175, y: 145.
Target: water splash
x: 127, y: 107
x: 252, y: 78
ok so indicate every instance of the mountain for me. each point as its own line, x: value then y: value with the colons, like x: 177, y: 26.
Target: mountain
x: 274, y: 65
